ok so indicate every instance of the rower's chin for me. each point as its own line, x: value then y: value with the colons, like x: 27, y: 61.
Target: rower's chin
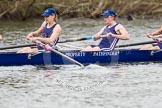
x: 46, y: 21
x: 0, y: 37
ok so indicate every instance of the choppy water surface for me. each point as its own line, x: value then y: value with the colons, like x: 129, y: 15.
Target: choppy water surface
x: 111, y: 86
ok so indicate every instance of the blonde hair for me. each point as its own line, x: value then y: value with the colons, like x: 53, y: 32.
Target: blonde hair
x: 56, y: 18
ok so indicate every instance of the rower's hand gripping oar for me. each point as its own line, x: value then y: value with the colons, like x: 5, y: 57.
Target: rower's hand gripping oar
x: 156, y: 38
x: 57, y: 52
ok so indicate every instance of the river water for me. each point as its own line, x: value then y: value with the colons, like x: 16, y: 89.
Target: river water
x: 137, y: 85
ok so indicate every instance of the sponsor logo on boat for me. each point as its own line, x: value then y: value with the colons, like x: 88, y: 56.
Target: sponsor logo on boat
x: 105, y: 53
x: 82, y: 54
x: 75, y: 54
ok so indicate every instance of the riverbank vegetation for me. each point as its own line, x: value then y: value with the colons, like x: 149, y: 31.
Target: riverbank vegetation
x: 24, y: 9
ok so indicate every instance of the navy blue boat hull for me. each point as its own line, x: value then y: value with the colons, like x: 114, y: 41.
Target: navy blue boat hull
x: 104, y: 57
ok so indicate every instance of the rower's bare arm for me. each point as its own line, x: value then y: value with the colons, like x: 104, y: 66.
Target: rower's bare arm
x: 157, y: 32
x: 37, y: 32
x: 121, y: 33
x: 56, y: 33
x: 98, y: 35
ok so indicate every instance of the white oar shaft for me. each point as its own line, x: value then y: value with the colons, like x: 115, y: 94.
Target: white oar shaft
x: 70, y: 46
x: 67, y: 57
x: 59, y: 53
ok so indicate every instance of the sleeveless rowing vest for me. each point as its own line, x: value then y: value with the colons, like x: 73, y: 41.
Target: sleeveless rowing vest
x: 108, y: 44
x: 47, y: 32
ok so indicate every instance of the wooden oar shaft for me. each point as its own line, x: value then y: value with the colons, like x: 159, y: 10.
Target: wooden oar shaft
x: 134, y: 44
x: 17, y: 46
x: 63, y: 41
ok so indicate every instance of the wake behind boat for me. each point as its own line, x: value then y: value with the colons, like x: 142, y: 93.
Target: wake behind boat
x: 100, y: 57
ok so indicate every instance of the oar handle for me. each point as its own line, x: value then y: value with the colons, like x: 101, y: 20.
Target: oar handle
x: 89, y: 37
x: 155, y: 38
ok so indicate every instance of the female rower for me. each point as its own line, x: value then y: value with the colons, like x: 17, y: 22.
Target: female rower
x: 0, y: 37
x: 154, y: 46
x: 110, y: 33
x: 49, y: 29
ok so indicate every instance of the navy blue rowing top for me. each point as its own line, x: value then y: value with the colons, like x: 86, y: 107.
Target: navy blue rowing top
x: 47, y: 32
x: 108, y: 44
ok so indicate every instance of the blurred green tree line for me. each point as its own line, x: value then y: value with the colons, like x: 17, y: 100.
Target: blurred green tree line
x: 24, y: 9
